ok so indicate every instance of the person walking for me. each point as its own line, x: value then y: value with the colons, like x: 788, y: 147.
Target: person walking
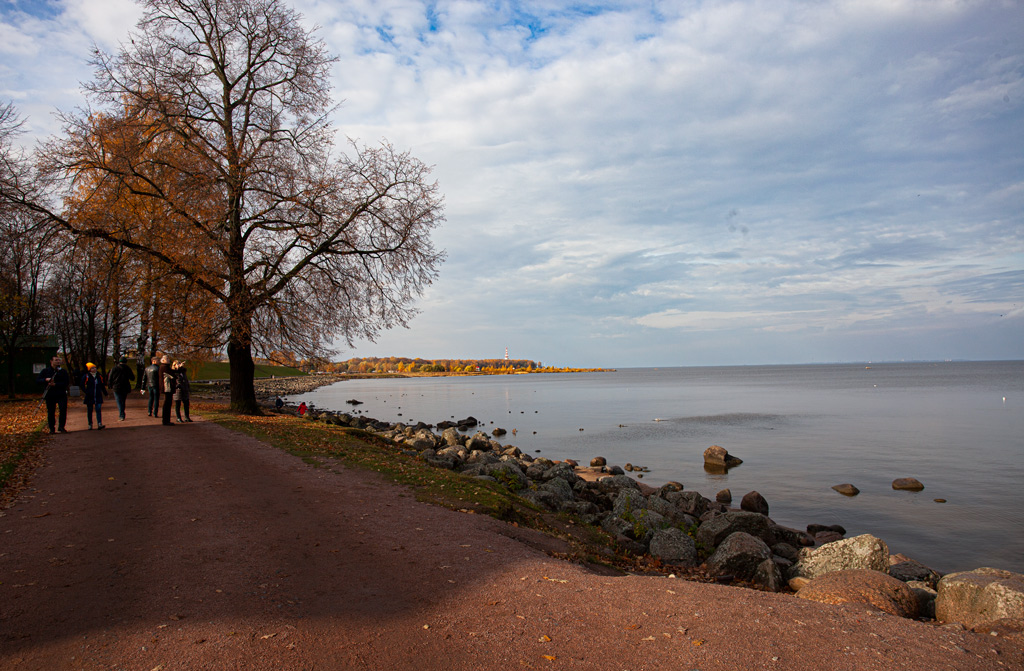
x: 120, y: 380
x: 168, y: 383
x: 57, y: 382
x: 181, y: 393
x: 153, y: 383
x: 93, y: 391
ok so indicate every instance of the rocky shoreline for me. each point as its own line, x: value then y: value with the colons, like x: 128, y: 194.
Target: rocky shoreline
x: 684, y: 529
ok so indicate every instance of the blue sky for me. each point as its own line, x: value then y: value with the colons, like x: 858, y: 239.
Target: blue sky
x: 671, y: 183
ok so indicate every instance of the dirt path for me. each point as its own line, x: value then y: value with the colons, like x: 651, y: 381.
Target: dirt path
x: 191, y: 547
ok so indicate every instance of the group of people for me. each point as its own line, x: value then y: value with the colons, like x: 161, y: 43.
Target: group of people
x: 162, y: 377
x: 170, y: 380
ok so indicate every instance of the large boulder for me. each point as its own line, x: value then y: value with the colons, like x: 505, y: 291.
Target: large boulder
x: 871, y: 588
x: 859, y: 552
x: 747, y: 558
x: 673, y: 546
x: 629, y: 502
x: 718, y: 457
x: 980, y: 596
x: 712, y: 532
x: 753, y: 502
x: 507, y: 473
x: 691, y: 503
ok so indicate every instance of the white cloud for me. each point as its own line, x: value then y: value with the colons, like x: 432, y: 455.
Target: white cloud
x: 652, y: 175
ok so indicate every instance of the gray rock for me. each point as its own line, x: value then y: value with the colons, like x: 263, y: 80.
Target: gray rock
x: 673, y: 546
x: 628, y: 502
x: 581, y: 508
x: 983, y: 595
x: 907, y: 484
x: 786, y: 550
x: 724, y: 496
x: 913, y: 570
x: 691, y: 503
x: 507, y: 473
x: 740, y: 555
x: 616, y: 526
x: 793, y: 537
x: 717, y: 455
x: 712, y: 532
x: 542, y: 498
x: 481, y: 457
x: 859, y: 552
x: 615, y: 483
x: 451, y: 436
x: 560, y: 488
x: 753, y: 502
x: 925, y: 594
x: 563, y: 471
x: 769, y: 574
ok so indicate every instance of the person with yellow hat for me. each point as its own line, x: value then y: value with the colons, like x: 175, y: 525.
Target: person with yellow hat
x: 93, y: 391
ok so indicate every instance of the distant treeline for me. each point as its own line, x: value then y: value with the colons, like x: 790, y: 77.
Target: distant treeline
x: 397, y: 364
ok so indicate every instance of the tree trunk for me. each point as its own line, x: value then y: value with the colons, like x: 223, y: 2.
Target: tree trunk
x: 243, y: 372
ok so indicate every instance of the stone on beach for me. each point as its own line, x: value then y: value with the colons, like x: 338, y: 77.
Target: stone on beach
x: 753, y: 502
x: 673, y: 546
x: 742, y: 555
x: 724, y: 496
x: 862, y: 586
x: 846, y: 489
x: 860, y: 552
x: 983, y: 595
x: 907, y: 484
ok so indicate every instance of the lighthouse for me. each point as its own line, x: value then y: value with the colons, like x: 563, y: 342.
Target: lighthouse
x: 506, y: 354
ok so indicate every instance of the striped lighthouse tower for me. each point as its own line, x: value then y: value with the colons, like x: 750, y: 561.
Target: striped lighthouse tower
x: 506, y: 354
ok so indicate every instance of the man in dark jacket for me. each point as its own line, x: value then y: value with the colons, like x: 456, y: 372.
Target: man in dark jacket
x: 153, y: 383
x: 121, y: 379
x: 55, y: 394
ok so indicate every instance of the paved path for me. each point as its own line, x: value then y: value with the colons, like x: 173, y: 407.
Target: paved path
x: 190, y: 547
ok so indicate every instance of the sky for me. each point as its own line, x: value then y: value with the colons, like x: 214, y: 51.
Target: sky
x: 644, y: 183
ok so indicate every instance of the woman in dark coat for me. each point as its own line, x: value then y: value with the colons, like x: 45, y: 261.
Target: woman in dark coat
x: 168, y: 383
x: 181, y: 394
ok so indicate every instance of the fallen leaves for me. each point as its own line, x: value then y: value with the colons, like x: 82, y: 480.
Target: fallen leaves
x: 21, y: 426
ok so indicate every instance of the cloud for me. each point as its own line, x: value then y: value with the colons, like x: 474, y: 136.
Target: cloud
x: 715, y: 182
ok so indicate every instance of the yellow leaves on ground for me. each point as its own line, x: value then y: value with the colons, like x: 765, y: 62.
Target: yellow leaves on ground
x: 545, y: 639
x: 20, y: 452
x: 550, y: 658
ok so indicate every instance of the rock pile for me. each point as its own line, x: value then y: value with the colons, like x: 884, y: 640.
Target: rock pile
x: 683, y: 528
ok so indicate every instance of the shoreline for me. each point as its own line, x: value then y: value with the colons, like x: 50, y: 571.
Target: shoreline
x: 681, y: 530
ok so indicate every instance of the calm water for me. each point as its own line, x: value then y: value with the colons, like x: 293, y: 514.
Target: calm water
x: 957, y: 427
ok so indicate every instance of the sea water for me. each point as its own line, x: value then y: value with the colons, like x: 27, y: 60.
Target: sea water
x: 958, y: 427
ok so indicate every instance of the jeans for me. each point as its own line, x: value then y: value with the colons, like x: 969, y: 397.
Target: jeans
x: 99, y: 413
x: 121, y: 398
x: 154, y: 400
x: 51, y: 406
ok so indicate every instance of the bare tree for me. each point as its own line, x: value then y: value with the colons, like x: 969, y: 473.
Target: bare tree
x: 219, y: 115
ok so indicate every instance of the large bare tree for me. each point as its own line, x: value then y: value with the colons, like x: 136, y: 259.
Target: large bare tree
x: 217, y: 110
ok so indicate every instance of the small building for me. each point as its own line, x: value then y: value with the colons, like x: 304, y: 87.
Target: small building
x: 31, y: 355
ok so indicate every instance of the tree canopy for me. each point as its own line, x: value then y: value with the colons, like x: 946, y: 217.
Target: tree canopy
x: 212, y: 137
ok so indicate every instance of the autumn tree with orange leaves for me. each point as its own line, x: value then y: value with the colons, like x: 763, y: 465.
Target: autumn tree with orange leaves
x: 218, y: 116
